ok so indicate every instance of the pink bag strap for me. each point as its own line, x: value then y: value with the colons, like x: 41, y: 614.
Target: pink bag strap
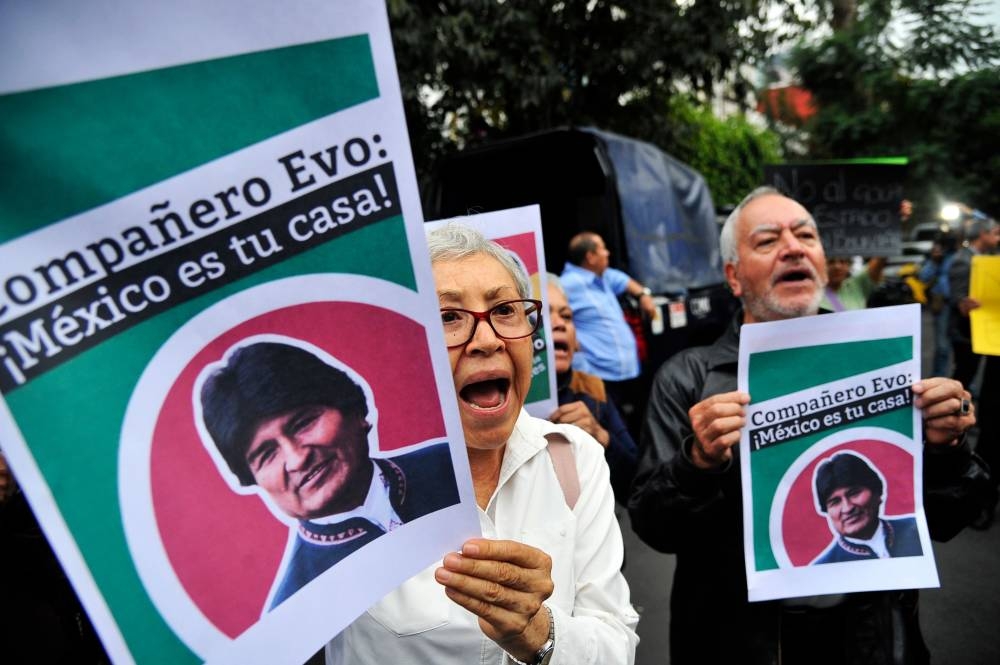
x: 564, y: 464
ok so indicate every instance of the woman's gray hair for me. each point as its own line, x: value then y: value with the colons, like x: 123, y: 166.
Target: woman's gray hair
x: 454, y: 242
x: 727, y: 237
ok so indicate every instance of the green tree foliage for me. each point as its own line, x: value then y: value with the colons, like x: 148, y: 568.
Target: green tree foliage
x: 907, y: 77
x: 730, y: 153
x: 479, y: 70
x: 926, y: 87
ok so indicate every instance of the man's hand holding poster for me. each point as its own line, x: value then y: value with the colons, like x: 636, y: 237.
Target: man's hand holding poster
x: 831, y: 455
x: 225, y: 386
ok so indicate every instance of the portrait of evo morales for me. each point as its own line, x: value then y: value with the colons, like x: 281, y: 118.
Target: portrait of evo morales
x: 296, y: 427
x: 851, y: 494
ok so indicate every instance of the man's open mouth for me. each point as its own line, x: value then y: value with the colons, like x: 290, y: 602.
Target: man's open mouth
x: 794, y: 275
x: 560, y: 345
x: 486, y: 395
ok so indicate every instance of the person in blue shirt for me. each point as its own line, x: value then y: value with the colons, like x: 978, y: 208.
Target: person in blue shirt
x: 607, y: 345
x: 934, y: 275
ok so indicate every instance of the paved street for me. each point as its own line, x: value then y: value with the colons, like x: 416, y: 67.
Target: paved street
x: 959, y: 620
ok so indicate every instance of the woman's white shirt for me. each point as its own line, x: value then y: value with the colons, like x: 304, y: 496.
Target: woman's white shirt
x: 594, y: 620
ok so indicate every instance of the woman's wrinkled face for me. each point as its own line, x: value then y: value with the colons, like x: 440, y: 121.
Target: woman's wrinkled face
x: 492, y: 375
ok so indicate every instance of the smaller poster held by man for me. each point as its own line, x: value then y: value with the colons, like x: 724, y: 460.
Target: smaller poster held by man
x: 831, y: 457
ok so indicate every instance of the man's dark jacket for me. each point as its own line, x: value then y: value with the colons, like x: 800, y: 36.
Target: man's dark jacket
x: 420, y: 483
x: 678, y: 508
x: 959, y: 274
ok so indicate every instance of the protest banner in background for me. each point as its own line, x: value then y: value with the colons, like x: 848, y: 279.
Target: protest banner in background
x: 831, y: 404
x: 519, y: 230
x: 984, y: 321
x: 855, y: 202
x: 182, y: 181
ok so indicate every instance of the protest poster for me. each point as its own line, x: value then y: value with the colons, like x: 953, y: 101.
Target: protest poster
x: 519, y: 230
x: 984, y: 321
x: 205, y: 206
x: 831, y: 455
x: 855, y: 203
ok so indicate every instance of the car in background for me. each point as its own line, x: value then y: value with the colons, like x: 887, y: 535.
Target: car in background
x: 922, y: 236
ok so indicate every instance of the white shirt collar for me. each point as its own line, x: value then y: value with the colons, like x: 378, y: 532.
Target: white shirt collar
x: 377, y: 508
x: 523, y: 443
x: 876, y: 543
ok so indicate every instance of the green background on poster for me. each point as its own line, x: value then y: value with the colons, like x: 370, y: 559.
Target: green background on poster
x: 97, y: 141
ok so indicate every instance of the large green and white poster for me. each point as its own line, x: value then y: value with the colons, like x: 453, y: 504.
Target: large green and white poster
x: 831, y: 455
x: 212, y: 250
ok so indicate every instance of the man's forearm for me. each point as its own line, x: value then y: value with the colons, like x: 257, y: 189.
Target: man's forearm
x: 634, y: 288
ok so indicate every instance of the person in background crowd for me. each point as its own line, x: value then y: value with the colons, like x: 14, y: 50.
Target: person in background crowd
x: 687, y: 494
x: 582, y: 398
x: 984, y: 237
x: 607, y: 344
x: 845, y: 291
x: 934, y: 276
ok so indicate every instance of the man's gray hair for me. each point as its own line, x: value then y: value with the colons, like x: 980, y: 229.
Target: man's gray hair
x: 727, y: 237
x: 454, y: 242
x: 980, y: 225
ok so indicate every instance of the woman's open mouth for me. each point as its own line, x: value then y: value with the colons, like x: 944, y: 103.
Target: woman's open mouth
x: 486, y: 395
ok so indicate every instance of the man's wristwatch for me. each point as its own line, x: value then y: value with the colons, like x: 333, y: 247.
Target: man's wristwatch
x: 646, y: 291
x: 544, y: 654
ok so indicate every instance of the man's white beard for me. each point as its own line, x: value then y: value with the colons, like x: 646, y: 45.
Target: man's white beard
x: 770, y: 308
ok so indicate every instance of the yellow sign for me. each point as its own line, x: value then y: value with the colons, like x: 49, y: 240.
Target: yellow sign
x: 984, y: 286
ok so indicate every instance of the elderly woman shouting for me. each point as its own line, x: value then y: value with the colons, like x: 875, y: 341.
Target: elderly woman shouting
x: 543, y: 584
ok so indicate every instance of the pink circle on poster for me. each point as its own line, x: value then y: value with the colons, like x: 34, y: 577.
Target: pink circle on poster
x: 522, y: 244
x: 806, y: 532
x: 225, y: 548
